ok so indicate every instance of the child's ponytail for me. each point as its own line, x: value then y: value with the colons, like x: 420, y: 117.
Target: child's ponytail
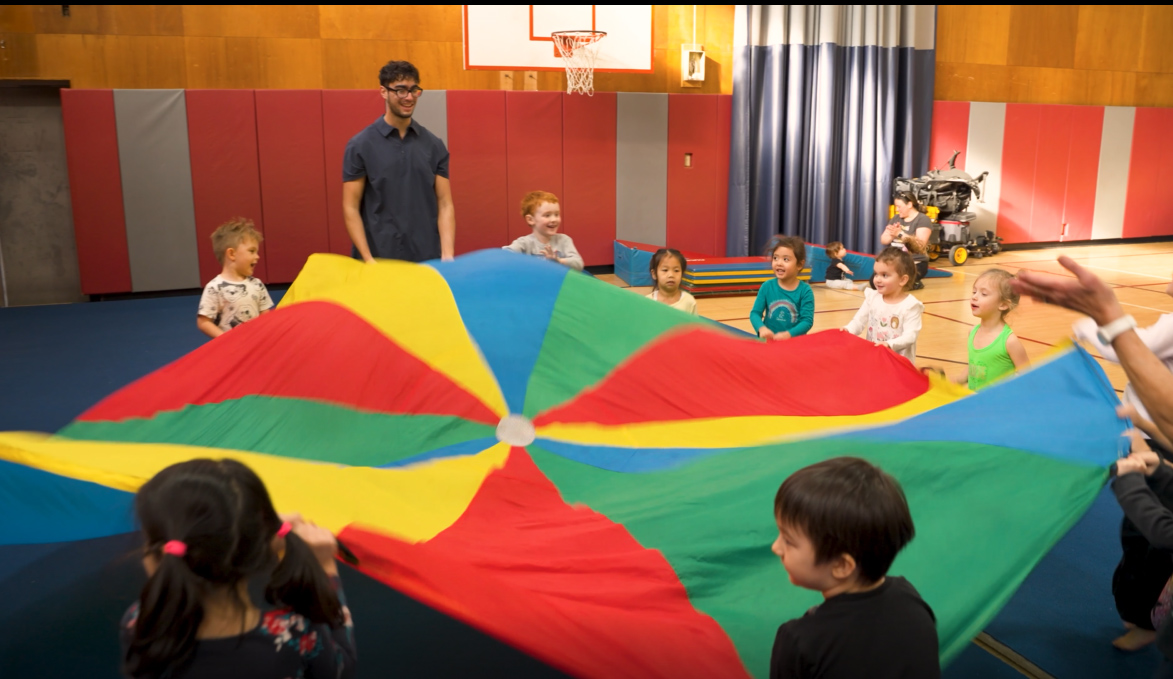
x: 169, y: 615
x: 300, y: 583
x: 190, y: 519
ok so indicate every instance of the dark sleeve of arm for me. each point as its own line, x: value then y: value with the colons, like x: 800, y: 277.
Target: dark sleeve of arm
x: 1161, y: 482
x: 785, y: 660
x: 441, y: 168
x: 1143, y: 508
x: 806, y: 311
x: 336, y: 657
x: 353, y: 165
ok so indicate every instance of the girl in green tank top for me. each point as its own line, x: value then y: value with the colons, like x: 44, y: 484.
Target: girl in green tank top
x: 994, y: 350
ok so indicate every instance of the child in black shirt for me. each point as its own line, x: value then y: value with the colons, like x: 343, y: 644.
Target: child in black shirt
x: 834, y: 276
x: 841, y: 523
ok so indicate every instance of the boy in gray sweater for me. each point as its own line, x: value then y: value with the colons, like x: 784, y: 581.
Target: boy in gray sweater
x: 542, y: 213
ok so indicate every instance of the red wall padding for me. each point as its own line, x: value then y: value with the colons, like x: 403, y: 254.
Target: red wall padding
x: 1148, y: 211
x: 477, y: 168
x: 588, y: 174
x: 344, y: 114
x: 1050, y: 172
x: 1020, y: 143
x: 1050, y: 160
x: 225, y: 173
x: 533, y: 146
x: 692, y: 191
x: 724, y: 130
x: 95, y: 183
x: 293, y: 178
x: 950, y: 133
x: 1083, y: 164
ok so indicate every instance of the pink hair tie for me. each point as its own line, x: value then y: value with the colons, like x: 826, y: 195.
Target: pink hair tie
x: 284, y: 529
x: 175, y: 548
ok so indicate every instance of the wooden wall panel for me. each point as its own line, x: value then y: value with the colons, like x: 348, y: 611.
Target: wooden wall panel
x: 1091, y: 55
x: 252, y: 21
x: 1155, y: 29
x: 313, y: 46
x: 1043, y: 35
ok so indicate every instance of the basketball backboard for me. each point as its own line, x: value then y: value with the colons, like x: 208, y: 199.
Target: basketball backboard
x: 517, y: 37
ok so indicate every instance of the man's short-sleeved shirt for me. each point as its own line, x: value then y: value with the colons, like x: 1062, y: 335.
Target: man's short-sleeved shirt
x: 398, y: 208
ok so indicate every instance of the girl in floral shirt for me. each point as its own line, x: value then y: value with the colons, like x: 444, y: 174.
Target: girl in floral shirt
x: 209, y: 527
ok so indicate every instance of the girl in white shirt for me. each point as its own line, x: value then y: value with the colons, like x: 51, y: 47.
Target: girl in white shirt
x: 890, y: 315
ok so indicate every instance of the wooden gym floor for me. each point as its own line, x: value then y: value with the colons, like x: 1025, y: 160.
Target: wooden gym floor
x: 1139, y: 273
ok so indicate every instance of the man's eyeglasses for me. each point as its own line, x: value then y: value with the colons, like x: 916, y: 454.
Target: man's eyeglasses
x: 403, y: 92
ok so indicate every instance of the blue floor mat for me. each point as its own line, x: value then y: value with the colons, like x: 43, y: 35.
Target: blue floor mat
x: 59, y: 360
x: 1063, y: 617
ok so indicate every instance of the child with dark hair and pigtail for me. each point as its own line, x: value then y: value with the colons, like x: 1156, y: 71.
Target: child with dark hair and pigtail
x: 667, y: 268
x: 209, y: 528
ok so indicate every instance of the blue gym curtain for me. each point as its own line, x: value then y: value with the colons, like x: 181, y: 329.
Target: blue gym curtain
x: 830, y: 103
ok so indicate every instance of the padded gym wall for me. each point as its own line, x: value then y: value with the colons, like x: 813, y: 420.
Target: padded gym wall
x: 95, y: 186
x: 588, y: 174
x: 694, y: 161
x: 477, y: 168
x: 293, y: 178
x: 1148, y: 211
x: 344, y: 114
x: 641, y: 176
x: 225, y: 171
x: 1062, y: 173
x: 275, y: 156
x: 533, y: 149
x: 156, y: 189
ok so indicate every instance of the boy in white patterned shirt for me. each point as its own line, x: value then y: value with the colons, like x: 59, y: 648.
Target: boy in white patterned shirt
x: 235, y: 296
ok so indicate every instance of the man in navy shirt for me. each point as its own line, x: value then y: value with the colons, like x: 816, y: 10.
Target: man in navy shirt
x: 396, y: 197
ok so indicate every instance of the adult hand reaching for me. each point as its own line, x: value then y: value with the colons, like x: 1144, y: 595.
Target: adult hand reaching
x: 1086, y: 294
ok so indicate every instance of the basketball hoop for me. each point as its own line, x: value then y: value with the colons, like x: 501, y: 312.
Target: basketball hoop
x: 579, y: 51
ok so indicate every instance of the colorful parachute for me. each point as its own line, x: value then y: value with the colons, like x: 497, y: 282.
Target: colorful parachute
x: 575, y: 470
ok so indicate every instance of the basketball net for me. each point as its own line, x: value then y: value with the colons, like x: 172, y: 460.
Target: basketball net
x: 579, y: 51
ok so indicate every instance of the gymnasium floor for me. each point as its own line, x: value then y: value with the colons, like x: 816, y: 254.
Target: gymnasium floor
x: 58, y: 360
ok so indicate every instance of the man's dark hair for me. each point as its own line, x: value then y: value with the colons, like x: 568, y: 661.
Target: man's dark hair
x: 394, y: 71
x: 846, y: 505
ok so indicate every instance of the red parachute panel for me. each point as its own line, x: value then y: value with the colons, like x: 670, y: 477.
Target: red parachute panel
x: 557, y: 582
x: 314, y: 350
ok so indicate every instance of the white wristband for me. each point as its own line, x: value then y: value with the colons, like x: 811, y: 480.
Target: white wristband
x: 1109, y: 332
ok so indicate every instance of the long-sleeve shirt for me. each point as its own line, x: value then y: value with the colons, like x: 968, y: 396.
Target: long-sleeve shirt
x: 896, y: 325
x: 562, y: 245
x: 1145, y: 501
x: 1158, y: 337
x: 782, y: 310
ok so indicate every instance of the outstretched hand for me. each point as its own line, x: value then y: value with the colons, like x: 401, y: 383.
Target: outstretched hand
x: 1086, y: 294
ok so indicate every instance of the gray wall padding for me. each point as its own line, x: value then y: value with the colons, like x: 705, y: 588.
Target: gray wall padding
x: 641, y: 172
x: 432, y: 112
x: 156, y: 189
